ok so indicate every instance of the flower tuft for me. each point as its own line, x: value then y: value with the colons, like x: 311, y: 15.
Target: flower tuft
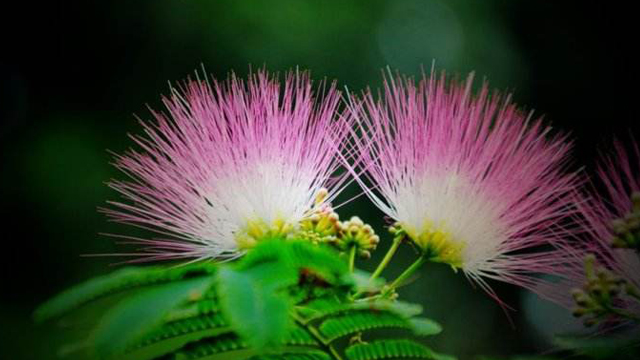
x: 231, y: 163
x: 608, y: 288
x: 355, y: 233
x: 471, y: 180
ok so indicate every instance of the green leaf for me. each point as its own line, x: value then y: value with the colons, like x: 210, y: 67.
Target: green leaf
x: 354, y: 322
x: 138, y: 314
x: 299, y: 336
x: 253, y: 292
x: 324, y: 307
x: 387, y: 349
x: 297, y: 254
x: 226, y: 346
x: 425, y: 327
x: 361, y: 282
x: 193, y: 309
x: 525, y: 357
x: 255, y: 307
x: 173, y: 335
x: 230, y: 346
x: 310, y: 355
x: 116, y: 282
x: 601, y: 347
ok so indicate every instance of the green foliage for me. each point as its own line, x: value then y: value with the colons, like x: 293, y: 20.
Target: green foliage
x: 256, y: 293
x: 603, y: 346
x: 354, y: 322
x: 116, y: 282
x: 138, y: 314
x: 284, y: 300
x: 256, y: 308
x: 388, y: 349
x: 325, y: 307
x: 228, y: 346
x: 294, y: 256
x: 309, y: 355
x: 519, y: 358
x: 174, y: 335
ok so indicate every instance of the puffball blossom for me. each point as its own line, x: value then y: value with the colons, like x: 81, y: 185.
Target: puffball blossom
x: 230, y: 163
x: 611, y: 220
x: 472, y: 181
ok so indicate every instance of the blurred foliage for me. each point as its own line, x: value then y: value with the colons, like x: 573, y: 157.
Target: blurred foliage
x: 289, y: 299
x: 72, y: 76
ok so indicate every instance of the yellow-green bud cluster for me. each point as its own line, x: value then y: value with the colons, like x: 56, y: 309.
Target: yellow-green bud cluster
x: 595, y: 301
x: 257, y: 230
x: 397, y: 231
x: 355, y: 233
x: 627, y: 229
x: 435, y: 243
x: 321, y: 226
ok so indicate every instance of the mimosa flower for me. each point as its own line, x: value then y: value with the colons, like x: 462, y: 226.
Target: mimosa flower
x: 230, y: 163
x: 472, y: 181
x: 610, y: 286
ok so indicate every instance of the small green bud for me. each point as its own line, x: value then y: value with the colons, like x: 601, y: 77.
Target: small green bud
x: 355, y: 232
x: 602, y: 274
x: 596, y: 290
x: 589, y: 263
x: 579, y: 312
x: 577, y: 293
x: 619, y: 226
x: 614, y: 290
x: 618, y: 243
x: 630, y: 289
x: 635, y: 199
x: 584, y: 301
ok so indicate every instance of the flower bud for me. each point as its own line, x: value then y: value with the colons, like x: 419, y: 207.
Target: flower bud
x: 579, y: 312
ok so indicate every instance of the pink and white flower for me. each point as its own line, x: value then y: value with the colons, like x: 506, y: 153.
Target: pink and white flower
x: 617, y: 204
x: 230, y: 162
x: 472, y: 180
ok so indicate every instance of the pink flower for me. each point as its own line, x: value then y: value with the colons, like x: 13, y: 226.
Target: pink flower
x: 613, y: 212
x: 229, y: 163
x: 472, y: 180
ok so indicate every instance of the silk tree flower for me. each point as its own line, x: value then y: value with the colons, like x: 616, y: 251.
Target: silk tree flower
x: 609, y: 286
x: 230, y: 163
x: 474, y: 182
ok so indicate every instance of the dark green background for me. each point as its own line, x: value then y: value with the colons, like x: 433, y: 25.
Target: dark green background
x: 72, y: 74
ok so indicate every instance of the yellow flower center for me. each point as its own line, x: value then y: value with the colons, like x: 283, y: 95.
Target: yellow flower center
x: 258, y: 229
x: 437, y: 243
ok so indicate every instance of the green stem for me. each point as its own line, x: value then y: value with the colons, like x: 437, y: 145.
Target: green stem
x: 383, y: 264
x: 406, y: 274
x: 315, y: 333
x: 352, y: 258
x: 387, y: 257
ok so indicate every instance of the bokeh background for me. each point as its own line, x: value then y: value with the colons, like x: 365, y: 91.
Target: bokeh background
x: 73, y: 74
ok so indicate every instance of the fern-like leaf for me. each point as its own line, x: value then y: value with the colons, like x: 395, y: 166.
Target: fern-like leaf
x: 357, y: 321
x: 231, y: 346
x: 228, y: 346
x: 116, y: 282
x: 173, y: 335
x: 193, y: 309
x: 310, y: 355
x: 140, y: 314
x: 393, y: 349
x: 321, y: 308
